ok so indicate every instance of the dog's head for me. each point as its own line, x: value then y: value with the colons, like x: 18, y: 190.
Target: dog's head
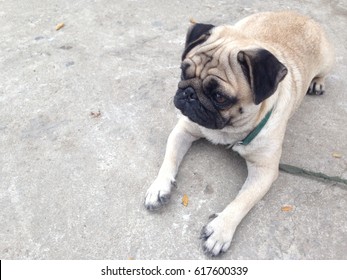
x: 224, y: 76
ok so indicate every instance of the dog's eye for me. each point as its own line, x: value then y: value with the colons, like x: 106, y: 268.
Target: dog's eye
x: 221, y: 101
x: 220, y: 98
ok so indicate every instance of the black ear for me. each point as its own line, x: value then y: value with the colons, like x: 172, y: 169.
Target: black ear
x: 263, y: 71
x: 197, y: 34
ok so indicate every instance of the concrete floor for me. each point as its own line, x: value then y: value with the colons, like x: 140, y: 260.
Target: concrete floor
x: 72, y: 184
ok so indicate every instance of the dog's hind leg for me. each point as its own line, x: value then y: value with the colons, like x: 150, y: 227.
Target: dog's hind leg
x: 323, y: 65
x: 317, y: 86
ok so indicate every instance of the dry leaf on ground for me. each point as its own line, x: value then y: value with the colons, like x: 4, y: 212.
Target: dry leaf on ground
x: 95, y: 114
x: 59, y: 26
x: 185, y: 200
x: 336, y: 155
x: 287, y: 208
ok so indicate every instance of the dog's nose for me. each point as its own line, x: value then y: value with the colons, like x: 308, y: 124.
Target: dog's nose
x: 190, y: 93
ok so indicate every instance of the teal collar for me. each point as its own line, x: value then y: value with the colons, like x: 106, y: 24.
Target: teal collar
x: 256, y: 130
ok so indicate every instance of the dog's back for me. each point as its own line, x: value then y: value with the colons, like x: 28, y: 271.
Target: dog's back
x: 304, y: 39
x: 297, y: 38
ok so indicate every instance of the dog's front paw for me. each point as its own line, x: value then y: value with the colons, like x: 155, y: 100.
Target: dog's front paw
x: 158, y: 194
x: 217, y: 236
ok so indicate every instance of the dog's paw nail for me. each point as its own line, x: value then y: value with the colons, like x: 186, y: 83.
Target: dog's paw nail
x: 315, y: 89
x: 205, y: 233
x: 174, y: 184
x: 158, y: 194
x: 161, y: 200
x: 207, y: 251
x: 164, y: 198
x: 213, y: 216
x: 213, y: 248
x: 152, y: 206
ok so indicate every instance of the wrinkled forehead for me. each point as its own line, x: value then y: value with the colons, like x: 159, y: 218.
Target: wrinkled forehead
x: 213, y: 58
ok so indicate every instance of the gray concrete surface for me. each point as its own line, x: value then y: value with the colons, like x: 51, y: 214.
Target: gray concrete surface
x: 72, y: 185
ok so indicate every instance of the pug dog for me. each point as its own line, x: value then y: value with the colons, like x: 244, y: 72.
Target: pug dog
x: 239, y: 86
